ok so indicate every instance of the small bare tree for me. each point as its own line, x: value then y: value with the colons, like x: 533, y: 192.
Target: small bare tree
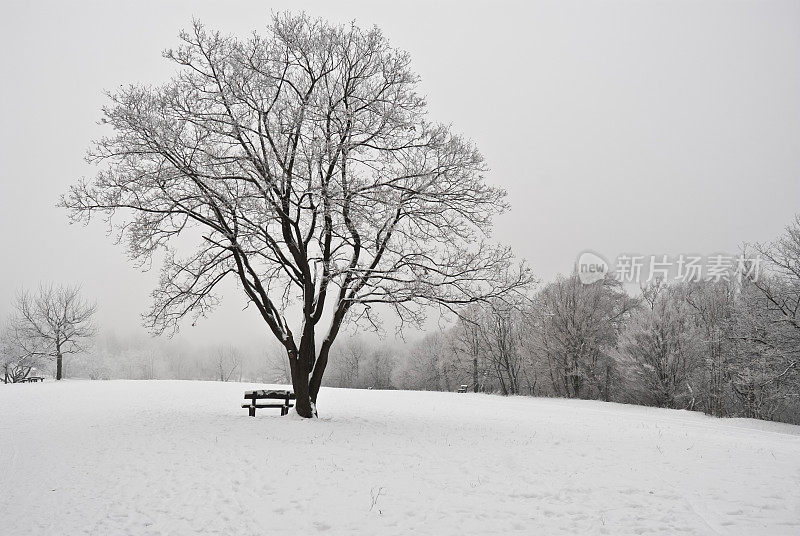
x: 305, y: 165
x: 228, y: 363
x: 53, y: 323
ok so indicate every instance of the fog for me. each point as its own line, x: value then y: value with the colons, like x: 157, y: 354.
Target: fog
x: 638, y: 127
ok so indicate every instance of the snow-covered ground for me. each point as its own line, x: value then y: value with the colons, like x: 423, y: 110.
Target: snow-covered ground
x: 167, y: 457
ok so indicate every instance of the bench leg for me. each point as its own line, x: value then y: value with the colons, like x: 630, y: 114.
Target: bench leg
x: 251, y: 411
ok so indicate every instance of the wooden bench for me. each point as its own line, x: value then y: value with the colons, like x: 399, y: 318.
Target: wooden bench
x: 268, y: 394
x: 462, y: 389
x: 32, y: 379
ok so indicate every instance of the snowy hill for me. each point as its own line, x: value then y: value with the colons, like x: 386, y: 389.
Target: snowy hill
x: 166, y: 457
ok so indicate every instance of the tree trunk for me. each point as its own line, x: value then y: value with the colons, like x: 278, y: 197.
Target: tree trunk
x: 301, y: 392
x: 298, y: 364
x: 59, y: 359
x: 322, y: 359
x: 319, y: 369
x: 307, y: 368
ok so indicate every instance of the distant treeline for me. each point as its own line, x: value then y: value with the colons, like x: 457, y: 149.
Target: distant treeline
x: 727, y: 347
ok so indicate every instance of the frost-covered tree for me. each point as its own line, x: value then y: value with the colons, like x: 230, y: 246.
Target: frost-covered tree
x: 498, y: 329
x: 658, y: 352
x: 17, y: 361
x: 466, y: 342
x: 764, y: 374
x: 379, y: 368
x: 52, y: 323
x: 781, y: 282
x: 578, y: 331
x: 766, y: 379
x: 348, y: 363
x: 434, y: 363
x: 713, y: 307
x: 304, y: 165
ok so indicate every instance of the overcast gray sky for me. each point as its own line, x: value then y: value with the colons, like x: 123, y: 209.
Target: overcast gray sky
x: 636, y: 126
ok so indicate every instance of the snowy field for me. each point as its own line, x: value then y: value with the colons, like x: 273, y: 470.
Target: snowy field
x: 166, y: 457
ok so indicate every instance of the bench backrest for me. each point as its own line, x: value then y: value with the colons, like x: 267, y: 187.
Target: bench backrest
x: 276, y: 394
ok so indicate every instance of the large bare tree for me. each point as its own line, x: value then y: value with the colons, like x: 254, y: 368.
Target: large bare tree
x: 303, y: 163
x: 52, y: 323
